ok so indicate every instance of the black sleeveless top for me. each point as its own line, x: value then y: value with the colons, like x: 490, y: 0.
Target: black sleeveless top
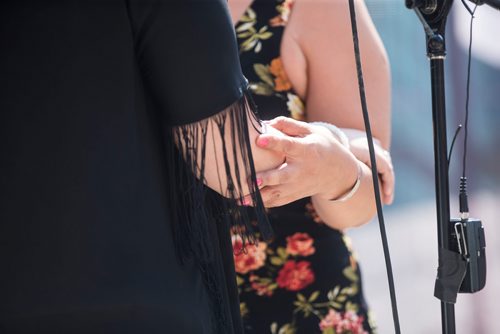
x: 103, y: 226
x: 306, y: 280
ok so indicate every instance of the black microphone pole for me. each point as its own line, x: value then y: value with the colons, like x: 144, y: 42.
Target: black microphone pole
x: 433, y: 14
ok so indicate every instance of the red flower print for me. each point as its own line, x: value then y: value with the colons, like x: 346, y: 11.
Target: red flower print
x: 251, y: 258
x: 349, y: 322
x: 295, y: 276
x: 300, y: 244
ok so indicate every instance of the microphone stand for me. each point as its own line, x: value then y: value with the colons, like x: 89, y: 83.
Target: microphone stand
x: 433, y: 14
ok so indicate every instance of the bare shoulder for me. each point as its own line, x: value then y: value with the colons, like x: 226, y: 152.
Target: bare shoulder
x: 318, y: 23
x: 321, y: 30
x: 310, y: 13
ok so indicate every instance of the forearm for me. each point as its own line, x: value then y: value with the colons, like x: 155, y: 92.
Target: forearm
x: 225, y: 150
x: 343, y: 109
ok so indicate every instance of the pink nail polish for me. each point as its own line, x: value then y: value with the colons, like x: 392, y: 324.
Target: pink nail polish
x: 263, y: 141
x: 259, y: 182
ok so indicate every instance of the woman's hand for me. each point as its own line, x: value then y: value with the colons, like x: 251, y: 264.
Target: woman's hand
x: 313, y: 163
x: 316, y: 163
x: 359, y: 147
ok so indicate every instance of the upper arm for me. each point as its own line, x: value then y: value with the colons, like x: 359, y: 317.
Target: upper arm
x: 187, y: 56
x: 323, y: 33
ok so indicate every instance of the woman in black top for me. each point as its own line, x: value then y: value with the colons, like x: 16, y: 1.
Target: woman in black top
x: 108, y: 111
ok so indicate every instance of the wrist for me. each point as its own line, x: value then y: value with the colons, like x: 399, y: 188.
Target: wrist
x: 347, y: 182
x: 354, y: 188
x: 348, y: 172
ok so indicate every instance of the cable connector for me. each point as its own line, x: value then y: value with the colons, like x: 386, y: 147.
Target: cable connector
x: 462, y: 197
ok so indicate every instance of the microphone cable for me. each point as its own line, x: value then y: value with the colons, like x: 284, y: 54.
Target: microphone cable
x: 463, y: 202
x: 373, y: 161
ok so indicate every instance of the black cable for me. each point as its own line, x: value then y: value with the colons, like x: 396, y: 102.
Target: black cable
x: 374, y: 167
x: 462, y: 196
x: 453, y: 143
x: 468, y: 8
x: 466, y: 125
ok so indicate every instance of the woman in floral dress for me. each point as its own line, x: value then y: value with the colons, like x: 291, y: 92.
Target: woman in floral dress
x: 298, y: 58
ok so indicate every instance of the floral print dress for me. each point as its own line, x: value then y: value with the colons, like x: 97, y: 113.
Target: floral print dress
x: 306, y: 280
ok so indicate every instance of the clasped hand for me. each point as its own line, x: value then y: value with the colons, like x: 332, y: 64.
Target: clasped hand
x: 315, y: 164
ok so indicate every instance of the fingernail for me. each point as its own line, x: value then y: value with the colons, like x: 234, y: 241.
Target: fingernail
x: 246, y: 202
x: 263, y: 141
x: 259, y: 182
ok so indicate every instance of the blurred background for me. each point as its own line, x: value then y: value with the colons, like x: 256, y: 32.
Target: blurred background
x: 411, y: 220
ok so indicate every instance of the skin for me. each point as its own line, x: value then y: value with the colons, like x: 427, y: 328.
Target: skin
x: 317, y: 54
x: 215, y: 178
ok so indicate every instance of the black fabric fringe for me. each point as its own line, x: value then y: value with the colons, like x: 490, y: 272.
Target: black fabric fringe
x: 197, y: 211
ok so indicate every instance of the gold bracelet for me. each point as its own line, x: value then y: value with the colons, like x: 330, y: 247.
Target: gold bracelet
x: 354, y: 188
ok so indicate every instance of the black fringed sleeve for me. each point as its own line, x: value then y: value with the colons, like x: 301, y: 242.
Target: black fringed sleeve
x: 109, y: 111
x: 188, y: 58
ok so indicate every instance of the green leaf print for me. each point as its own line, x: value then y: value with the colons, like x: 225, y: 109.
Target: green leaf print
x: 314, y: 296
x: 282, y: 253
x: 285, y: 329
x: 249, y: 43
x: 276, y: 261
x: 328, y: 331
x: 244, y: 26
x: 261, y: 89
x: 351, y: 274
x: 263, y: 72
x: 333, y: 293
x: 349, y: 306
